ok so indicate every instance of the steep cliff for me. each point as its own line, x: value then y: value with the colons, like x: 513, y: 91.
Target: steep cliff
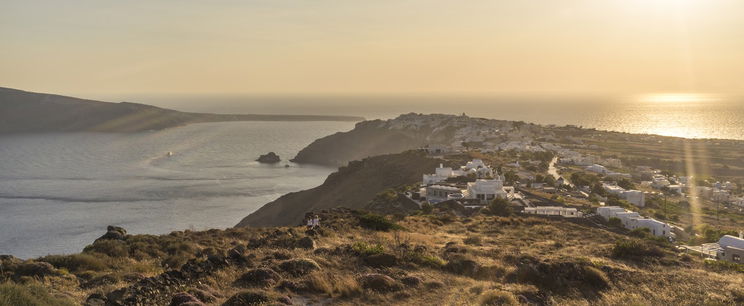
x: 352, y: 186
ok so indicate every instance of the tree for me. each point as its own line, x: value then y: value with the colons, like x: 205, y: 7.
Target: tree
x: 626, y: 184
x: 500, y: 207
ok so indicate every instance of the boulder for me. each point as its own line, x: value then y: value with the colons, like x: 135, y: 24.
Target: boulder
x: 269, y: 158
x: 261, y: 277
x: 299, y: 266
x: 114, y: 233
x: 247, y: 298
x: 378, y: 282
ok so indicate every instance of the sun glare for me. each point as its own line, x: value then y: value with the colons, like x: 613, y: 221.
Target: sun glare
x: 677, y: 98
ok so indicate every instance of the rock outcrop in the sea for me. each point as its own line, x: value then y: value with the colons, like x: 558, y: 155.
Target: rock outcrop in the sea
x: 269, y: 158
x: 352, y: 186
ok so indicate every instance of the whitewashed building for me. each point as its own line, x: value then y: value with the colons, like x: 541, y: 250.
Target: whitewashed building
x: 566, y: 212
x: 731, y: 249
x: 655, y: 227
x: 486, y: 190
x: 632, y: 220
x: 597, y: 168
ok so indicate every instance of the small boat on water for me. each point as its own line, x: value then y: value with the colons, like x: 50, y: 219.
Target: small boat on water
x: 169, y: 154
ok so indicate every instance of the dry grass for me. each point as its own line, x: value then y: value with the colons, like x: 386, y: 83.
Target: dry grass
x: 486, y: 260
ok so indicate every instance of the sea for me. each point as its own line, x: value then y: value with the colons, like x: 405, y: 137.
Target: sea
x: 58, y: 192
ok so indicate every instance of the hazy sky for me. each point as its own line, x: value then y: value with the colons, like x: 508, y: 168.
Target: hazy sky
x: 106, y: 47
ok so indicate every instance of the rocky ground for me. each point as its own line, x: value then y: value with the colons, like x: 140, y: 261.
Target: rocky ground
x: 432, y: 258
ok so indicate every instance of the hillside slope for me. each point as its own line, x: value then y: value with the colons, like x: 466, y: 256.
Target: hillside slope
x: 25, y: 112
x: 360, y: 259
x: 352, y: 186
x: 406, y: 132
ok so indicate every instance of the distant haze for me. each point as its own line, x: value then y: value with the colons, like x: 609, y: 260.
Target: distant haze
x: 108, y: 48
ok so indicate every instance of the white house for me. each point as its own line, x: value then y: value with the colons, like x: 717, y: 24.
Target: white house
x: 626, y: 216
x: 635, y: 197
x: 607, y: 211
x: 632, y: 220
x: 660, y: 181
x: 440, y: 174
x: 440, y: 193
x: 731, y: 248
x: 656, y: 228
x: 486, y: 190
x: 597, y: 168
x: 566, y: 212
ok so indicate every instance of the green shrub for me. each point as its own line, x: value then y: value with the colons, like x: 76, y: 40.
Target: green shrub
x: 635, y: 249
x: 77, y: 262
x: 113, y: 248
x: 615, y: 222
x: 641, y: 232
x: 28, y: 295
x: 367, y: 249
x: 500, y: 207
x: 722, y: 266
x: 432, y: 261
x: 377, y: 222
x: 494, y: 297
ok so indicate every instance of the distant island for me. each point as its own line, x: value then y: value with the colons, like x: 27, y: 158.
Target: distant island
x: 30, y: 112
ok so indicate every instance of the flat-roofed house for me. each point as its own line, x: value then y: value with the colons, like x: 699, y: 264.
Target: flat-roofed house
x: 731, y: 249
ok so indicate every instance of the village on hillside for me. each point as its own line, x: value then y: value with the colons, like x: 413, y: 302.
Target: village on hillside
x: 535, y: 170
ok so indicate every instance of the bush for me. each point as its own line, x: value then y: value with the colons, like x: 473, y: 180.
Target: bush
x: 615, y: 222
x: 635, y: 249
x: 500, y: 207
x: 76, y: 263
x: 367, y: 249
x: 377, y: 222
x: 472, y: 240
x: 641, y: 232
x: 494, y: 297
x: 432, y: 261
x: 113, y: 248
x: 28, y: 295
x: 723, y: 266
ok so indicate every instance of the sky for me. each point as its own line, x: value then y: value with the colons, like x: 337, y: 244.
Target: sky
x: 109, y: 48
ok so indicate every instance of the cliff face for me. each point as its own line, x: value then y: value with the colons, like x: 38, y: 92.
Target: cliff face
x: 352, y: 186
x: 406, y: 132
x: 27, y: 112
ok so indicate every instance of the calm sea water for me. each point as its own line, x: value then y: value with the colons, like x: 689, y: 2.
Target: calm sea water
x: 58, y: 192
x: 722, y: 117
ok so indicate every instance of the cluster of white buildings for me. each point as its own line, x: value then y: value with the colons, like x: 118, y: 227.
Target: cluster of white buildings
x: 635, y: 197
x: 566, y: 212
x: 632, y: 220
x: 488, y: 185
x: 576, y: 158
